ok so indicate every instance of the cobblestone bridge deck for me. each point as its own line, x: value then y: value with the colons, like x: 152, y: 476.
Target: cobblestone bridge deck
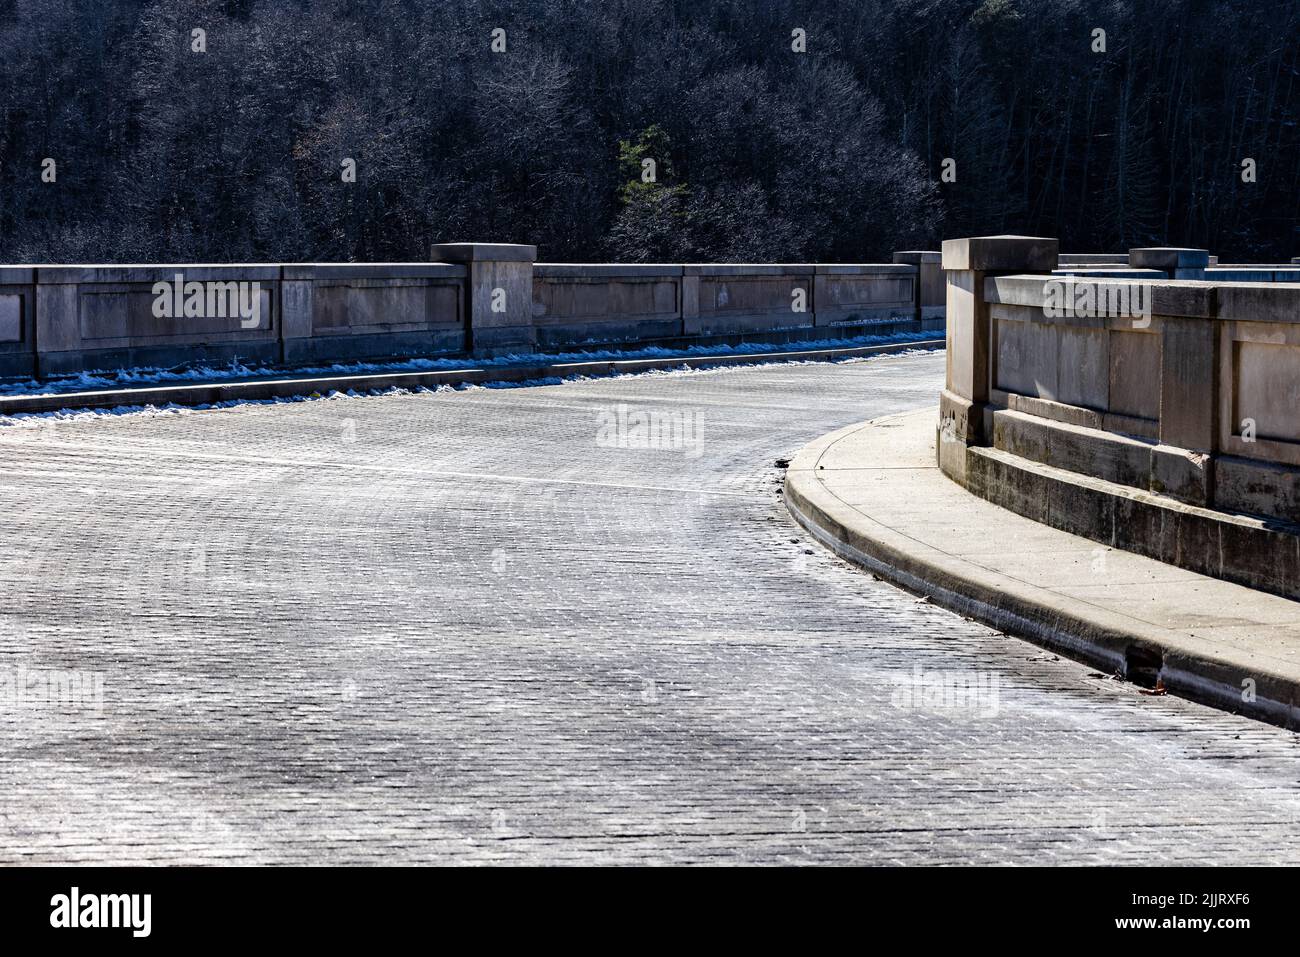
x: 461, y: 627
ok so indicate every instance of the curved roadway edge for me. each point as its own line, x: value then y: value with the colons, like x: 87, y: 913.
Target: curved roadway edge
x: 909, y: 495
x: 289, y: 386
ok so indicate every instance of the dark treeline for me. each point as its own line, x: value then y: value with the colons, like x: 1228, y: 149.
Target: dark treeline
x: 761, y: 153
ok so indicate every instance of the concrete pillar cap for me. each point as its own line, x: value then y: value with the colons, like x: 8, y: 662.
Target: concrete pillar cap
x: 1001, y: 253
x: 1168, y: 258
x: 483, y: 252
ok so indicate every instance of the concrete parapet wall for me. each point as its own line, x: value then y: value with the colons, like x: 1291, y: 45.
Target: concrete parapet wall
x: 492, y: 298
x: 371, y: 310
x: 581, y: 302
x: 75, y: 318
x: 931, y: 294
x: 855, y: 293
x: 1185, y: 389
x: 1253, y: 273
x: 575, y: 303
x: 17, y: 321
x: 480, y: 298
x: 1102, y: 272
x: 94, y: 317
x: 1092, y: 259
x: 721, y: 298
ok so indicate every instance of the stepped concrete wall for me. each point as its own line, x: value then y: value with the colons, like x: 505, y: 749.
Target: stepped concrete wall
x: 1171, y: 400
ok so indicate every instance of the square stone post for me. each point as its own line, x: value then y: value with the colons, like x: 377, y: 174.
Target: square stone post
x: 499, y: 295
x: 18, y: 293
x: 1182, y: 465
x: 964, y: 402
x: 930, y: 295
x: 1176, y: 262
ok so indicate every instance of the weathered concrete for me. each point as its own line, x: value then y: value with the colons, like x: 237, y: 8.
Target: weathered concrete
x: 575, y: 302
x: 95, y: 317
x: 1174, y: 261
x: 963, y: 404
x: 931, y: 292
x: 854, y: 293
x: 1181, y: 388
x: 1033, y: 469
x: 493, y: 298
x: 17, y: 321
x: 998, y: 254
x: 1253, y: 274
x: 498, y: 294
x: 372, y: 310
x: 723, y: 297
x: 1101, y: 272
x: 455, y: 628
x: 1092, y: 259
x: 475, y: 298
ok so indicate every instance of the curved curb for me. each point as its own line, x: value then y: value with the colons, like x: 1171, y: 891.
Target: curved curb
x: 1080, y: 630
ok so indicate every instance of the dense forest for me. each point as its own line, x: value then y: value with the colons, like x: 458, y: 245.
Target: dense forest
x: 777, y: 130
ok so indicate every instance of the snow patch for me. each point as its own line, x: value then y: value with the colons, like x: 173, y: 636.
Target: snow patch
x: 38, y: 419
x: 120, y: 378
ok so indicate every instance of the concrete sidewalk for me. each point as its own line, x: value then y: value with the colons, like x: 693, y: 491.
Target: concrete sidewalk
x: 873, y: 493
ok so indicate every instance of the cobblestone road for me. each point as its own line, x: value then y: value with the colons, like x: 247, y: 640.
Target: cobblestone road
x: 468, y: 627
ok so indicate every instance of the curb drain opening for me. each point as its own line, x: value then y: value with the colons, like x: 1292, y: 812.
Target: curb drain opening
x: 1142, y: 665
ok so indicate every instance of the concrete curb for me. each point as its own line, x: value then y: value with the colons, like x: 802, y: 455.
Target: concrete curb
x: 209, y: 393
x: 1076, y: 628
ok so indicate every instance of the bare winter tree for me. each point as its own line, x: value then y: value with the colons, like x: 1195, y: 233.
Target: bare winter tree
x: 233, y: 148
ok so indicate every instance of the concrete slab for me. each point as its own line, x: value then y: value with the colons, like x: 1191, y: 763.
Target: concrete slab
x: 873, y: 493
